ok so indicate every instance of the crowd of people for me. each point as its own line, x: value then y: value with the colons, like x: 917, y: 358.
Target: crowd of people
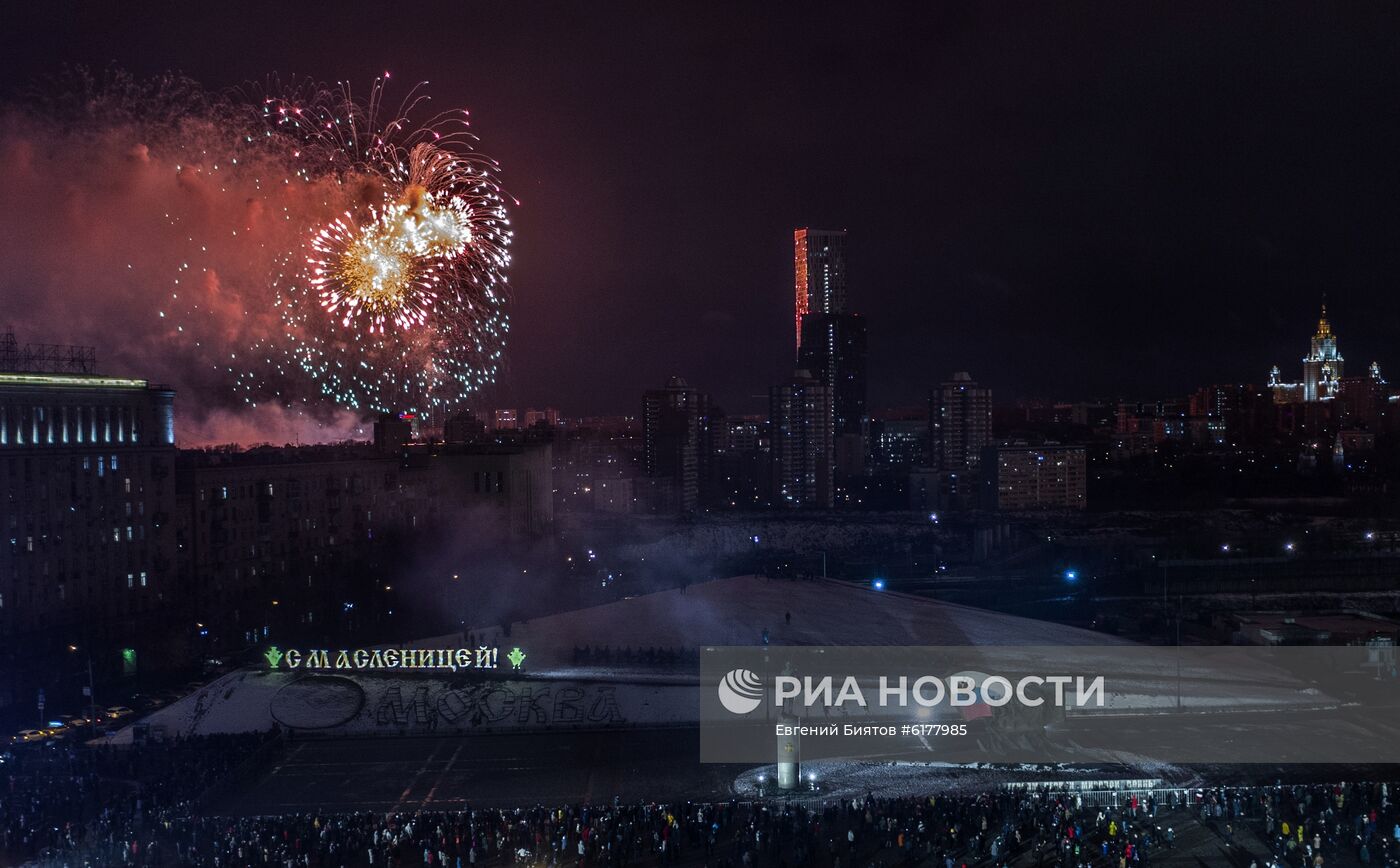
x: 142, y: 806
x: 61, y: 798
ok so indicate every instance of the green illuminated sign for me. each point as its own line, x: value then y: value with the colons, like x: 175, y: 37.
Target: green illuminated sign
x: 398, y: 659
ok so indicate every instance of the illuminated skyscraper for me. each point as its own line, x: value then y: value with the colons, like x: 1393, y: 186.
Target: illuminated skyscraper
x: 1323, y: 366
x: 819, y: 269
x: 1322, y: 369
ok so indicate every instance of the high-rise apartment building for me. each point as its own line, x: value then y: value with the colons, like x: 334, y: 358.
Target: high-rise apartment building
x: 819, y: 270
x: 1022, y: 478
x: 960, y: 423
x: 802, y: 444
x: 740, y: 470
x: 675, y: 423
x: 833, y: 350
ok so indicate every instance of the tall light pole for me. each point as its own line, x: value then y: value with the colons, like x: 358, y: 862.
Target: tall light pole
x: 92, y: 695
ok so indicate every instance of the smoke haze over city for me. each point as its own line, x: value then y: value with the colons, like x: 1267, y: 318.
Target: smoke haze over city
x: 1069, y: 201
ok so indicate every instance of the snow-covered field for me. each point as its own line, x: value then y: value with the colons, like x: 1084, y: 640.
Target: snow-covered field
x: 737, y: 610
x: 555, y: 692
x: 364, y: 704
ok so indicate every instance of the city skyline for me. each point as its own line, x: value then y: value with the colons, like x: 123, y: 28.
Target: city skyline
x: 1107, y: 279
x: 488, y: 434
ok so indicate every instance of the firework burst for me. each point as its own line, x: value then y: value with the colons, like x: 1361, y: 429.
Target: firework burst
x: 297, y: 249
x: 398, y: 303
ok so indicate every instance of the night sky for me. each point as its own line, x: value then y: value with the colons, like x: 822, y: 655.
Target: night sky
x: 1066, y: 199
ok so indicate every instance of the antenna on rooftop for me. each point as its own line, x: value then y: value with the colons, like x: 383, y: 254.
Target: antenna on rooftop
x: 44, y: 358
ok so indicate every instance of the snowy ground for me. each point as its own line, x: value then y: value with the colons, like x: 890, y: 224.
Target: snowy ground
x: 737, y: 610
x: 363, y: 704
x: 556, y: 692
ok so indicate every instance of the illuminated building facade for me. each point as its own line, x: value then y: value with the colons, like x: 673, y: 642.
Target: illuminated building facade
x: 899, y: 443
x: 833, y: 350
x: 802, y: 445
x: 740, y: 469
x: 1024, y: 478
x: 87, y: 492
x: 1232, y: 413
x: 548, y: 416
x: 1322, y: 370
x: 272, y: 535
x: 675, y: 441
x: 1365, y: 401
x: 819, y: 270
x: 299, y: 540
x: 960, y: 423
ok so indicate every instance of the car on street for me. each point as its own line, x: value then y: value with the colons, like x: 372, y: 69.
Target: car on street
x: 26, y: 736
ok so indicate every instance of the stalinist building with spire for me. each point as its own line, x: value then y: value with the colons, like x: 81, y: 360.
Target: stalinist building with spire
x: 1322, y: 370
